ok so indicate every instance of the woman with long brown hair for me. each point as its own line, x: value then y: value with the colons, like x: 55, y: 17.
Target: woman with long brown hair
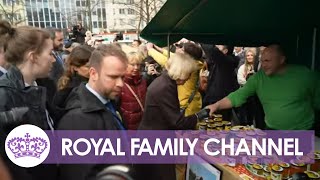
x: 247, y: 69
x: 77, y: 71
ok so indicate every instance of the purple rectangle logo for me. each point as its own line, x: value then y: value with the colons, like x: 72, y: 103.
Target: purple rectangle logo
x: 174, y: 147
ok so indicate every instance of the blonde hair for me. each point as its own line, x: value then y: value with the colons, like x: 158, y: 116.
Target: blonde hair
x: 135, y: 57
x: 246, y: 64
x: 180, y: 66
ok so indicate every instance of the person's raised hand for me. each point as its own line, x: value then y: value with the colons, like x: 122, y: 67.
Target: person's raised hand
x: 149, y: 46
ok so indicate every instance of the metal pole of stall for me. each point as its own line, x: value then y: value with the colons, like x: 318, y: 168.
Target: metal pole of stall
x: 313, y: 60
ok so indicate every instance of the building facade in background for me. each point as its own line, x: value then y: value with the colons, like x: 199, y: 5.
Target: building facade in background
x: 96, y: 15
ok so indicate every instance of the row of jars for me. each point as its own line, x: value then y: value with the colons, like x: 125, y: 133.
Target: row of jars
x: 286, y: 170
x: 215, y: 123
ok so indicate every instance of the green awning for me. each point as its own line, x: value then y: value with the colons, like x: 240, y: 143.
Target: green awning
x: 233, y: 21
x: 237, y: 22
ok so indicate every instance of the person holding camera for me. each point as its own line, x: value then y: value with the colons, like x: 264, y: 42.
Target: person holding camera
x: 247, y: 69
x: 151, y: 70
x: 80, y: 33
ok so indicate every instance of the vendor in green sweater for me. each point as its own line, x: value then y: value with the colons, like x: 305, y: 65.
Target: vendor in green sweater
x: 289, y: 94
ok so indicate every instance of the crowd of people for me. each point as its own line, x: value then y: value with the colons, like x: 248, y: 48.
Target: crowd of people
x: 144, y: 87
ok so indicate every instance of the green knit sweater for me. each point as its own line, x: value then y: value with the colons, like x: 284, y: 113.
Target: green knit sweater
x: 289, y: 100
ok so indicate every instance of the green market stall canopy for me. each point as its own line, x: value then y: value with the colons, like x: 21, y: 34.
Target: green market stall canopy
x: 293, y: 23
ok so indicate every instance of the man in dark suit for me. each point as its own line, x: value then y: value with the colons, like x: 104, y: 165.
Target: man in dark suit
x: 90, y: 107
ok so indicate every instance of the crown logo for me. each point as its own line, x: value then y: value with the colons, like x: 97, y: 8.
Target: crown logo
x: 27, y: 147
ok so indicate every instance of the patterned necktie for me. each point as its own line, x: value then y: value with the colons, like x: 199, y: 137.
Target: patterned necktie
x: 115, y: 115
x: 57, y: 57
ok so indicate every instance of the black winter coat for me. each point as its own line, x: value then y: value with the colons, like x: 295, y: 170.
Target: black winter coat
x: 61, y: 96
x: 222, y: 78
x: 84, y: 112
x: 13, y: 93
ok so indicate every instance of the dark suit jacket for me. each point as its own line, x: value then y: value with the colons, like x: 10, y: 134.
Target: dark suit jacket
x: 84, y: 112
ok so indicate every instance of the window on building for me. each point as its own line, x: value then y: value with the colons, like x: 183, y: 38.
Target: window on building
x: 104, y: 14
x: 121, y: 11
x: 100, y: 24
x: 99, y: 13
x: 130, y: 1
x: 83, y: 3
x: 35, y: 16
x: 95, y: 24
x: 94, y: 13
x: 59, y: 25
x: 46, y: 14
x: 36, y: 24
x: 104, y: 24
x: 58, y: 16
x: 53, y: 18
x: 56, y: 4
x: 41, y: 16
x: 42, y: 25
x: 29, y: 15
x: 130, y: 11
x: 78, y: 3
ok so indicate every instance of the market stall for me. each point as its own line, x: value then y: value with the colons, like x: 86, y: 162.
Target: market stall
x: 255, y: 168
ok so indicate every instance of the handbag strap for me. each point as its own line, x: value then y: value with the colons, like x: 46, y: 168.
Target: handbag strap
x: 135, y: 95
x: 192, y: 94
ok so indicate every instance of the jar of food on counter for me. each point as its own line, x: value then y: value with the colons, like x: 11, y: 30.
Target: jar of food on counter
x: 202, y: 126
x: 297, y: 166
x: 276, y: 172
x: 257, y: 169
x: 267, y: 171
x: 286, y: 170
x: 211, y: 127
x: 312, y: 175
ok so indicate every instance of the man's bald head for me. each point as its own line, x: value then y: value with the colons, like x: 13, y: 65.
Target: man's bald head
x: 273, y: 59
